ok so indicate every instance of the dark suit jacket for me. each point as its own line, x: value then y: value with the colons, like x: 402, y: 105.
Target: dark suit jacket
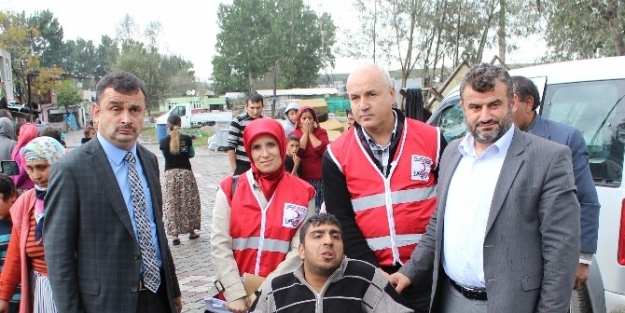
x: 92, y: 255
x: 586, y: 191
x: 531, y: 244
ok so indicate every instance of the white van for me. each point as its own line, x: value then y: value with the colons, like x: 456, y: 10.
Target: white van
x: 587, y: 95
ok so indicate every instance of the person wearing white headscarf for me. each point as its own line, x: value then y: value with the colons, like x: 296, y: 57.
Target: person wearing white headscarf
x: 25, y: 260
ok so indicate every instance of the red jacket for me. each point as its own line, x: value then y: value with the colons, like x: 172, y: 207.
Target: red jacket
x: 261, y: 238
x: 311, y: 157
x: 391, y: 212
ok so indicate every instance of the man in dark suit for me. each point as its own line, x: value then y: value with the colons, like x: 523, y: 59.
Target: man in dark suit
x: 105, y: 243
x: 505, y: 234
x: 525, y: 117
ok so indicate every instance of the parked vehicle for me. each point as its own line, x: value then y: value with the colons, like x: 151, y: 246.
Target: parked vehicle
x: 194, y: 120
x: 587, y: 95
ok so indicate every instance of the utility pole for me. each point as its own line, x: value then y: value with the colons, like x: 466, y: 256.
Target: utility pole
x: 28, y: 103
x: 275, y: 86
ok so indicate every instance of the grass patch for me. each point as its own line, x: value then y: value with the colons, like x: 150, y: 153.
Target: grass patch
x: 201, y: 135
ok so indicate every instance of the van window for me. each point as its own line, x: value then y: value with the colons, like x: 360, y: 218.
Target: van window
x: 597, y: 110
x: 452, y: 120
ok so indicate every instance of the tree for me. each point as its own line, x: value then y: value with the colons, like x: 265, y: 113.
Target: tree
x: 136, y: 59
x: 127, y: 29
x: 80, y: 58
x: 14, y: 38
x: 226, y: 78
x: 22, y: 38
x: 299, y: 58
x: 259, y: 39
x: 43, y: 83
x: 106, y: 54
x: 47, y: 38
x: 401, y: 31
x: 584, y: 29
x: 242, y: 41
x: 183, y: 78
x: 67, y: 94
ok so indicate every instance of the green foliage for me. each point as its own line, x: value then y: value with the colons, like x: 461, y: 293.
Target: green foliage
x: 182, y: 78
x: 256, y: 36
x: 584, y: 29
x: 304, y: 43
x: 47, y: 38
x: 80, y: 57
x: 106, y: 54
x: 156, y: 70
x: 429, y: 34
x: 145, y: 64
x: 67, y: 94
x: 14, y: 38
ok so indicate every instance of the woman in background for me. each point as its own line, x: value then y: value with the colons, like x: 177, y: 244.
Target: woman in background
x: 313, y: 141
x: 27, y: 132
x: 25, y: 262
x: 181, y: 200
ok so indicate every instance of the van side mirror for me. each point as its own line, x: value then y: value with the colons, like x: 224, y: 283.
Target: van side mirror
x: 9, y: 167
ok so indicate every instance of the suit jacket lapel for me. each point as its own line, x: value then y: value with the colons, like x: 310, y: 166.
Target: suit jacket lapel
x: 100, y: 165
x: 511, y: 166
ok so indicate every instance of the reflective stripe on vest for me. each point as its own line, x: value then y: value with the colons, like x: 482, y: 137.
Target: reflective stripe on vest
x: 397, y: 197
x: 382, y: 243
x: 403, y: 200
x: 269, y: 245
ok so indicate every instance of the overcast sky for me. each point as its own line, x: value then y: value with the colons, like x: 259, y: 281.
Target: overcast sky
x: 189, y: 26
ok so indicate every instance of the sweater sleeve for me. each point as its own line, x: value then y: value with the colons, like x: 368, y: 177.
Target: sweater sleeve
x: 234, y: 134
x: 338, y: 203
x: 383, y: 297
x: 11, y: 273
x: 322, y: 135
x: 264, y: 302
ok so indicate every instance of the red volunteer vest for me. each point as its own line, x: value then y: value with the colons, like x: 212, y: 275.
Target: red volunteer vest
x: 262, y: 238
x: 392, y: 212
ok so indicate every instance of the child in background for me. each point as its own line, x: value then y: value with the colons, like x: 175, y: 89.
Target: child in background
x: 291, y: 118
x: 292, y: 162
x: 89, y: 133
x: 55, y: 133
x: 350, y: 118
x: 8, y: 195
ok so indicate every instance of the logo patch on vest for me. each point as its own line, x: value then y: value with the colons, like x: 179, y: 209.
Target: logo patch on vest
x: 293, y: 215
x: 421, y: 166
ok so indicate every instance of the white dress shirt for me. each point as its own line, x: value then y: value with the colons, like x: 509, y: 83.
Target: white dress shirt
x: 468, y: 205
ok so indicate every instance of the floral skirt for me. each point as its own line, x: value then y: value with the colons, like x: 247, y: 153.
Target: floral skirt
x: 181, y: 202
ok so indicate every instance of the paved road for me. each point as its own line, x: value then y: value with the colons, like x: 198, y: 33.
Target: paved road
x: 192, y: 257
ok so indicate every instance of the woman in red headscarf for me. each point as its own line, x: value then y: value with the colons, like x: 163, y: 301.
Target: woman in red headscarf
x: 313, y: 141
x: 27, y: 132
x: 257, y: 215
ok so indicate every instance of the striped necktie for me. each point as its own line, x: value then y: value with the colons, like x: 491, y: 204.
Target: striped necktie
x: 151, y: 272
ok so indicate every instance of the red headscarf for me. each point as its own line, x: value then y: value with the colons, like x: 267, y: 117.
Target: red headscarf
x: 265, y: 126
x: 28, y: 132
x: 303, y: 110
